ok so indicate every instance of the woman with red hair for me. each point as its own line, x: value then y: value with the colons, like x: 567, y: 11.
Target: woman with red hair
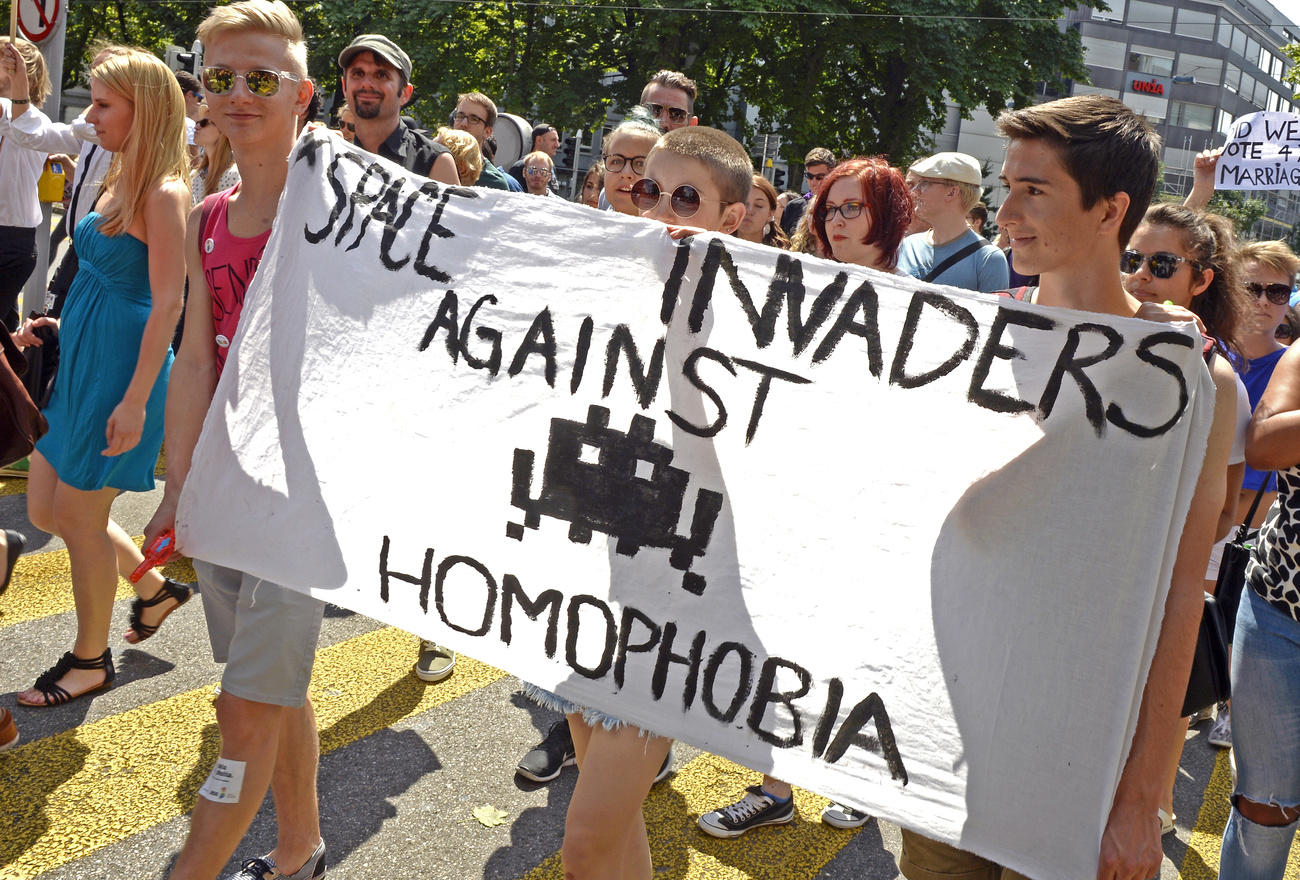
x: 862, y: 213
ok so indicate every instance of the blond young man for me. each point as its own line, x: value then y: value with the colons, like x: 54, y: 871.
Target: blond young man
x: 257, y: 88
x: 946, y: 186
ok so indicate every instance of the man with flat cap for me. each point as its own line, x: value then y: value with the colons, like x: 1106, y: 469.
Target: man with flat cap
x: 377, y: 85
x: 946, y: 186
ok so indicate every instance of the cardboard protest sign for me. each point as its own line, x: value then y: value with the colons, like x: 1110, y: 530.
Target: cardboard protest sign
x: 1263, y: 152
x: 903, y: 545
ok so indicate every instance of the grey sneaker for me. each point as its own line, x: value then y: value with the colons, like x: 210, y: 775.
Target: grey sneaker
x: 555, y: 752
x: 1206, y: 714
x: 435, y: 662
x: 1221, y: 733
x: 840, y: 816
x: 265, y: 869
x: 754, y: 810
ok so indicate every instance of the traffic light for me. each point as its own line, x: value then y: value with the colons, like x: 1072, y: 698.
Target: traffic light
x: 568, y: 153
x: 178, y: 59
x: 778, y: 179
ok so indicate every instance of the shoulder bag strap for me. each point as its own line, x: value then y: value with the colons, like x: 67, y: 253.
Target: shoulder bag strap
x: 81, y: 180
x: 955, y: 258
x: 1250, y: 514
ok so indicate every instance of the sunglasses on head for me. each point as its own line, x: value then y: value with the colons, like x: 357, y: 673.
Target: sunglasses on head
x: 685, y: 200
x: 1163, y: 264
x: 262, y: 83
x: 676, y: 114
x: 1278, y: 294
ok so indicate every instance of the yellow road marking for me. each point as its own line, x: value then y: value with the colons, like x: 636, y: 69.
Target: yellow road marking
x: 680, y: 850
x: 42, y: 586
x: 65, y: 796
x: 1202, y: 859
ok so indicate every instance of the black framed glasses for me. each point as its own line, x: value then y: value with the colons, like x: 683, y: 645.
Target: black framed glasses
x: 685, y: 200
x: 1163, y: 264
x: 616, y: 162
x: 676, y: 114
x: 262, y: 83
x: 1278, y: 294
x: 848, y: 210
x: 467, y: 117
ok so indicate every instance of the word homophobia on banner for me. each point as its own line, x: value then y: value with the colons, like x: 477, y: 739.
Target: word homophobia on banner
x: 889, y: 541
x: 1263, y: 152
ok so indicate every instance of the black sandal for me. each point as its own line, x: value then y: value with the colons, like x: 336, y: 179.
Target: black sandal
x: 170, y: 590
x: 56, y: 695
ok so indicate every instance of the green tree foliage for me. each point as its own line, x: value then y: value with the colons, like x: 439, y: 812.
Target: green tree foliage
x: 1244, y: 212
x: 858, y: 76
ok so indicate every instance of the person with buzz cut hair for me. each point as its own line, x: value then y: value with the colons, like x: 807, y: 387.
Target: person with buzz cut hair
x: 669, y: 96
x: 946, y: 187
x: 1079, y: 174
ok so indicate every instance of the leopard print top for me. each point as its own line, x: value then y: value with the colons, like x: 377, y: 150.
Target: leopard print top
x: 1274, y: 567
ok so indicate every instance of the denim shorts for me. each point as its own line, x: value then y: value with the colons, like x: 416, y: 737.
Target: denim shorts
x: 592, y: 717
x: 1266, y: 703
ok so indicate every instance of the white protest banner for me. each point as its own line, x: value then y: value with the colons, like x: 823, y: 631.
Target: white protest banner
x: 903, y: 545
x: 1263, y: 152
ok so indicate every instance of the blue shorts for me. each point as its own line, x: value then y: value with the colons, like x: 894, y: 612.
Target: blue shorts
x: 591, y: 717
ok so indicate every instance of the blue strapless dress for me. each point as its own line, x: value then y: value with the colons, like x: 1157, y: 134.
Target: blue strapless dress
x: 99, y: 343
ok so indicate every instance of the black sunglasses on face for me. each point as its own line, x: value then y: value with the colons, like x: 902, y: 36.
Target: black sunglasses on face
x: 685, y: 200
x: 262, y: 83
x: 203, y: 123
x: 1278, y: 294
x: 676, y: 114
x: 1163, y: 264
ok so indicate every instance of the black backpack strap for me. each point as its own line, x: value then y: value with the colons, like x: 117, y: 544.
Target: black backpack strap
x: 953, y: 260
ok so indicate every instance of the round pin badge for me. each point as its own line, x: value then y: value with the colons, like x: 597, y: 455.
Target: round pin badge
x: 208, y: 246
x: 222, y: 340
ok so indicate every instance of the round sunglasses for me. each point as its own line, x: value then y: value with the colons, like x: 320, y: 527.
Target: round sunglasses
x: 1163, y: 264
x: 1278, y: 294
x: 262, y: 83
x: 685, y: 200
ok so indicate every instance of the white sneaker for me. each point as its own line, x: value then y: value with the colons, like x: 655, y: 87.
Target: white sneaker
x: 841, y: 816
x: 1221, y: 733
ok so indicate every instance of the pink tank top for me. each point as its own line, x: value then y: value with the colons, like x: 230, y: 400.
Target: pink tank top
x: 228, y: 265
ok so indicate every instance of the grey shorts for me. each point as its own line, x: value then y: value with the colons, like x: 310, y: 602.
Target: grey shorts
x: 266, y: 634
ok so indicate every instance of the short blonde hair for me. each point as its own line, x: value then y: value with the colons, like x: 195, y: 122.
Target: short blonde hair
x: 155, y: 147
x: 38, y: 77
x: 540, y: 154
x: 466, y: 153
x: 1274, y: 254
x: 266, y: 16
x: 970, y: 193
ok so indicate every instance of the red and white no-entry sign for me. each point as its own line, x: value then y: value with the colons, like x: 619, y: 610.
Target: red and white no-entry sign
x: 37, y: 18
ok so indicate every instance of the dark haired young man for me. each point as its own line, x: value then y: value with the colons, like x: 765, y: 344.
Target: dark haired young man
x: 1080, y: 173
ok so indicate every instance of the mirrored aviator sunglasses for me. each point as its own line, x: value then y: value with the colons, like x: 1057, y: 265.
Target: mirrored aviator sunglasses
x: 261, y: 83
x: 1163, y: 264
x: 685, y: 200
